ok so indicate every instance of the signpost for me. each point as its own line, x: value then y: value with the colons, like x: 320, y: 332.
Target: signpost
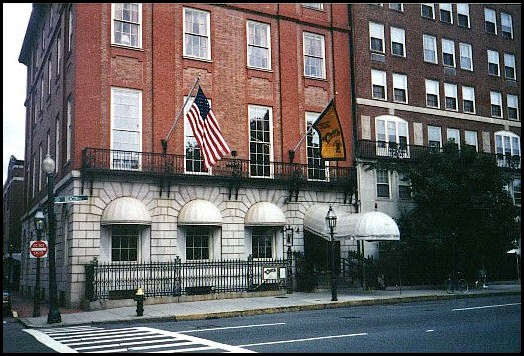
x: 70, y: 199
x: 38, y: 249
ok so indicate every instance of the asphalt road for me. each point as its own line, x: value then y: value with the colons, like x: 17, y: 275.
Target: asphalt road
x: 488, y: 324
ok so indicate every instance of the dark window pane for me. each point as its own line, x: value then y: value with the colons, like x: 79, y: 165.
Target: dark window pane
x: 490, y: 27
x: 451, y: 103
x: 376, y: 44
x: 432, y: 100
x: 400, y: 95
x: 398, y: 48
x: 463, y: 20
x: 468, y: 106
x: 378, y: 92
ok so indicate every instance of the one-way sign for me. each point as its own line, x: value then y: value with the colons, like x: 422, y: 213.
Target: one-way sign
x: 70, y: 199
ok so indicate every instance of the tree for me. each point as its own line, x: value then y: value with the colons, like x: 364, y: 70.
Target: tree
x: 462, y: 216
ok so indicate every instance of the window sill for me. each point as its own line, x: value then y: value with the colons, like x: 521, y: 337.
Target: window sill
x: 198, y: 59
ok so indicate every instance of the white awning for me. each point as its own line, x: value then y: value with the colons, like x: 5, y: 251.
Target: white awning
x: 375, y: 225
x: 199, y: 212
x: 315, y: 222
x: 126, y: 210
x: 264, y: 214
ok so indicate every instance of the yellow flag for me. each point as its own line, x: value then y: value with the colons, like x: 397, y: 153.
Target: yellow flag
x: 332, y: 147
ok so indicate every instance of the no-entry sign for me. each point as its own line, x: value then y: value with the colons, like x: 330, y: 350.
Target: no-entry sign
x: 38, y: 249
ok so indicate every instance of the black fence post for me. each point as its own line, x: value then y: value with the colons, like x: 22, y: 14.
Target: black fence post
x: 90, y: 280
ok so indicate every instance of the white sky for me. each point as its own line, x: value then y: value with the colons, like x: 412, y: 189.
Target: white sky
x: 15, y: 20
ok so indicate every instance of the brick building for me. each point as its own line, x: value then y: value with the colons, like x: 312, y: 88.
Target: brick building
x: 105, y: 85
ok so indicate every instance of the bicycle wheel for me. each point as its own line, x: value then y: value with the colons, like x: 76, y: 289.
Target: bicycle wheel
x: 462, y: 286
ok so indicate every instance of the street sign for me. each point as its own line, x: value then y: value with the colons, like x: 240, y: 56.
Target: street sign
x: 38, y: 249
x: 70, y: 199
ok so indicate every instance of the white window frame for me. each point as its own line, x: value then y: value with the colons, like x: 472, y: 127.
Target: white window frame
x: 471, y: 139
x: 513, y: 103
x: 205, y: 36
x: 34, y: 173
x: 490, y: 16
x: 454, y: 134
x: 493, y: 58
x: 127, y: 22
x: 58, y: 55
x: 382, y: 177
x: 391, y: 133
x: 69, y: 136
x: 448, y: 47
x: 432, y: 131
x: 403, y: 181
x: 432, y: 6
x: 450, y: 91
x: 189, y: 137
x: 400, y: 6
x: 509, y: 61
x: 400, y: 81
x: 258, y: 46
x: 431, y: 41
x: 463, y: 9
x: 378, y: 78
x: 446, y: 7
x: 376, y: 30
x: 468, y: 93
x: 40, y: 158
x: 70, y: 29
x: 506, y: 21
x: 507, y: 145
x: 466, y: 53
x: 398, y: 35
x: 432, y: 88
x: 57, y: 143
x: 314, y: 6
x: 253, y: 111
x: 315, y: 170
x: 131, y: 158
x: 308, y: 38
x: 496, y: 100
x: 49, y: 76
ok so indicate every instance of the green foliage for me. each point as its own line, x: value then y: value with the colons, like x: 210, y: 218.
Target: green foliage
x: 464, y: 218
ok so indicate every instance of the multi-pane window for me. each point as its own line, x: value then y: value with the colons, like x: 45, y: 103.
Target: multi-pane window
x: 376, y: 37
x: 432, y: 93
x: 40, y: 158
x: 197, y: 42
x: 468, y: 99
x: 513, y: 107
x: 450, y: 93
x: 507, y: 25
x: 448, y: 52
x: 70, y: 30
x: 314, y: 56
x: 316, y: 166
x: 197, y: 243
x: 262, y: 242
x: 260, y: 142
x: 34, y: 177
x: 258, y: 45
x: 124, y: 243
x: 69, y: 135
x: 127, y: 22
x: 398, y: 41
x: 57, y: 142
x: 509, y: 66
x: 466, y: 56
x: 383, y: 184
x: 493, y: 62
x: 471, y: 139
x: 49, y: 77
x: 434, y: 137
x: 58, y: 55
x: 516, y: 191
x: 400, y: 88
x: 454, y: 136
x: 392, y: 134
x: 428, y: 10
x: 463, y: 15
x: 430, y: 49
x: 194, y: 159
x: 496, y: 103
x: 42, y: 91
x: 507, y: 146
x: 446, y: 13
x: 490, y: 21
x: 396, y: 6
x: 404, y: 186
x: 316, y: 6
x: 126, y: 128
x: 378, y: 84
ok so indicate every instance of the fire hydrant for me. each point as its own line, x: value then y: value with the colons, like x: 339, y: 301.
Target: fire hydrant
x: 139, y: 299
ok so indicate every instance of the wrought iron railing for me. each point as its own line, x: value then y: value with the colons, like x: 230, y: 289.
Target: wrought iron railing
x: 98, y: 159
x: 175, y: 278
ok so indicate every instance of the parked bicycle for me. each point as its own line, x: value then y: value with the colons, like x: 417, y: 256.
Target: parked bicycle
x: 456, y: 283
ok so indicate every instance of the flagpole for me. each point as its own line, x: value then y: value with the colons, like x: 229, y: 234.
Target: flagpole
x: 164, y: 141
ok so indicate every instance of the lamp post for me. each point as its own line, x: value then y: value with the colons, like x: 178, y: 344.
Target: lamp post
x: 289, y: 243
x: 48, y: 166
x: 39, y: 226
x: 331, y: 221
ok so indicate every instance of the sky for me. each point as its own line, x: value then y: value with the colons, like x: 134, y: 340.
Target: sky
x: 15, y: 20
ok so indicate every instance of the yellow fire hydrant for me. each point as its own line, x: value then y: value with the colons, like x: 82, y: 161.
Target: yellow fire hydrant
x: 139, y: 299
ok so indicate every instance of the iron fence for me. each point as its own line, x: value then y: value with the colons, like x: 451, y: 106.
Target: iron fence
x: 119, y: 280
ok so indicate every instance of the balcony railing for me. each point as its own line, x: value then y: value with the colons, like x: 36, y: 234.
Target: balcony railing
x: 106, y: 160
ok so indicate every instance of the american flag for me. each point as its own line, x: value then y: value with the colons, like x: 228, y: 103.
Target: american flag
x: 206, y: 130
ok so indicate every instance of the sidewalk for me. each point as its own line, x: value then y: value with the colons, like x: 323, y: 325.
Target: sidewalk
x: 222, y: 308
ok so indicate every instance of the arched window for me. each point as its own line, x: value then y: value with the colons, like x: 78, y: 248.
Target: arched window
x: 507, y: 146
x: 392, y: 136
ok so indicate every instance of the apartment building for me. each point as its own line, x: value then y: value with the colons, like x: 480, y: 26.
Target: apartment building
x: 107, y: 83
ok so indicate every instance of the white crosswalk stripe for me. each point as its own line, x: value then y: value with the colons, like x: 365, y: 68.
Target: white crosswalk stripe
x: 133, y: 339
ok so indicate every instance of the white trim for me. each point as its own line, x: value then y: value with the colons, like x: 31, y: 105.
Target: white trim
x: 139, y: 24
x: 268, y: 36
x: 323, y: 50
x: 208, y: 33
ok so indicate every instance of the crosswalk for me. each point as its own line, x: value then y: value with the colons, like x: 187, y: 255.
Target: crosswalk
x: 80, y: 339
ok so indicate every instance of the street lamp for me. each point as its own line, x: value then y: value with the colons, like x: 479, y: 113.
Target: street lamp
x: 289, y: 243
x: 331, y: 221
x: 48, y: 166
x: 39, y: 226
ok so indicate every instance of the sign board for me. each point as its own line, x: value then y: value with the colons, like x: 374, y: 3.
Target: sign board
x: 70, y: 199
x: 38, y: 249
